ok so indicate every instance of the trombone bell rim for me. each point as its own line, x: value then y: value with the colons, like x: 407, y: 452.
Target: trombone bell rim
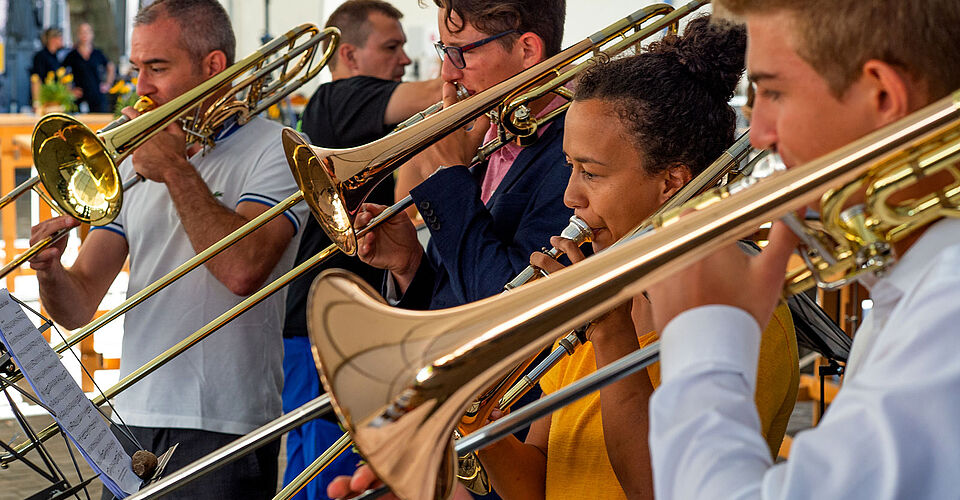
x: 321, y: 190
x: 77, y: 169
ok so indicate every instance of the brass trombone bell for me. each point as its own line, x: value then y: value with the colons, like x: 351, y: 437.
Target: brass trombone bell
x: 400, y: 393
x: 341, y: 179
x: 79, y: 167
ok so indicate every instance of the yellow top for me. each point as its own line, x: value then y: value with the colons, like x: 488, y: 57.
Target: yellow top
x: 577, y: 462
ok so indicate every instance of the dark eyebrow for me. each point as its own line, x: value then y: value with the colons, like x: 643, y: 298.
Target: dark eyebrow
x: 153, y: 61
x: 760, y: 75
x: 585, y: 159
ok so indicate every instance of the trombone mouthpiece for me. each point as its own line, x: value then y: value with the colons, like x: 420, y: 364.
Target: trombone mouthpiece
x: 576, y: 231
x: 462, y: 92
x: 142, y: 105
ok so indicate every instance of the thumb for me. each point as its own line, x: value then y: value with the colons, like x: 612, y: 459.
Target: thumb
x: 449, y: 94
x: 480, y: 127
x: 772, y: 261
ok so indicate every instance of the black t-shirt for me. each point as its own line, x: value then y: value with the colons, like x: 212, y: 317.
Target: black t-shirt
x: 87, y: 75
x: 44, y: 62
x: 341, y: 114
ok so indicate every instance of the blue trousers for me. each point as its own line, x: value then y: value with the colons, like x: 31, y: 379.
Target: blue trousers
x: 301, y: 383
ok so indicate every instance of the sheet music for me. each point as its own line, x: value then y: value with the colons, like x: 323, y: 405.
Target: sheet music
x: 75, y: 413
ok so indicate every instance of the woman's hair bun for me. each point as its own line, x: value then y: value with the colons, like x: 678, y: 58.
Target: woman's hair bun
x: 712, y: 51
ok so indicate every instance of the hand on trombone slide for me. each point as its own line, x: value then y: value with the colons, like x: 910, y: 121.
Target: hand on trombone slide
x: 364, y: 479
x: 49, y: 257
x: 392, y: 246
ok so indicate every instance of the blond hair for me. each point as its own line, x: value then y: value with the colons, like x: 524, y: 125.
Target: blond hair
x: 836, y: 37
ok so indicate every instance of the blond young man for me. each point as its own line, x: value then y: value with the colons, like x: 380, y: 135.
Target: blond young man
x: 826, y: 73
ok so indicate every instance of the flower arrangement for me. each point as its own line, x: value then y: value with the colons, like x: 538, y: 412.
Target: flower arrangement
x: 56, y: 91
x: 126, y: 94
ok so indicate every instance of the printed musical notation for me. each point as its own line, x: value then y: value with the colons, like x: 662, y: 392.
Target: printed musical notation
x: 55, y: 387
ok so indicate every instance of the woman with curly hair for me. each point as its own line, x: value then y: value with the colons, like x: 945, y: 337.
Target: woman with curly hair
x: 638, y: 130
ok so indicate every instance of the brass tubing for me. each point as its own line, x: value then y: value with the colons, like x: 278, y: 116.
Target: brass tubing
x: 325, y: 459
x: 218, y: 322
x: 403, y: 422
x: 15, y: 193
x: 312, y: 409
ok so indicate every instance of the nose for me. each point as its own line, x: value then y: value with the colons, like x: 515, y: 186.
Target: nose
x: 763, y: 126
x: 573, y: 195
x: 404, y: 58
x: 144, y: 85
x: 448, y: 72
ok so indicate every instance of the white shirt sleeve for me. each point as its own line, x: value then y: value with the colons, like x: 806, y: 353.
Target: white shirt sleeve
x: 891, y: 432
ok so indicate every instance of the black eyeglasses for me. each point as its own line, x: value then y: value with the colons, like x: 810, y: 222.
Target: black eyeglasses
x: 455, y: 54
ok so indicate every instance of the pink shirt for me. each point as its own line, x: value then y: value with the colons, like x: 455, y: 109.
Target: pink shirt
x: 501, y: 159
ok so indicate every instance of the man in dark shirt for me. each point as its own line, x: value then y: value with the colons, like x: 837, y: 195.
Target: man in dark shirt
x: 365, y: 100
x: 92, y: 72
x: 45, y: 61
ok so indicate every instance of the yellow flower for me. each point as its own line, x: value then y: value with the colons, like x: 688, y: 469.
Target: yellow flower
x: 133, y: 81
x: 49, y: 77
x: 61, y: 71
x: 126, y: 89
x: 67, y: 78
x: 273, y: 112
x: 117, y: 87
x: 35, y: 78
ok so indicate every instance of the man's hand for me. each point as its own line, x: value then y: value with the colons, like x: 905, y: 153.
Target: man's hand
x: 164, y: 155
x: 728, y: 277
x: 364, y: 479
x: 460, y: 146
x: 392, y: 246
x: 351, y: 486
x: 50, y: 256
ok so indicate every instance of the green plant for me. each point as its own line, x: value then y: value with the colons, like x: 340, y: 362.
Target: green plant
x: 126, y: 94
x: 56, y: 89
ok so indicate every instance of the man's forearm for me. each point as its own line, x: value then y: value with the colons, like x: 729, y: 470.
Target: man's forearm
x: 207, y: 221
x: 65, y: 299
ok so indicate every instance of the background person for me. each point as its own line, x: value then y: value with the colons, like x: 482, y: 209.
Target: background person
x: 229, y: 384
x: 365, y: 101
x: 45, y: 61
x: 93, y: 74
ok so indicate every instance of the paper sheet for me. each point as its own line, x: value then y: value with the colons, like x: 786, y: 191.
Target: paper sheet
x: 55, y: 387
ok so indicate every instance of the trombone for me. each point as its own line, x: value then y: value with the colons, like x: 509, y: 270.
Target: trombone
x: 402, y: 419
x: 335, y: 182
x: 69, y: 156
x: 338, y: 180
x: 78, y: 168
x: 505, y: 392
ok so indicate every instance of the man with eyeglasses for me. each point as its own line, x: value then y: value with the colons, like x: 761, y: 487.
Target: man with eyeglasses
x: 483, y: 223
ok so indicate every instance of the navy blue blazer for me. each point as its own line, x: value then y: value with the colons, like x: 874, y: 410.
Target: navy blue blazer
x: 474, y: 248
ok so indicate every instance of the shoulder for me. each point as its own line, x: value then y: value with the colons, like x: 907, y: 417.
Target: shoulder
x: 257, y: 140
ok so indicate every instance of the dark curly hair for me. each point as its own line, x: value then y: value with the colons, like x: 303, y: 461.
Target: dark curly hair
x: 672, y: 97
x: 542, y: 17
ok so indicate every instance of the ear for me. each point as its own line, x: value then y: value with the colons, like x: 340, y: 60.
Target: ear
x: 347, y: 56
x: 674, y: 178
x: 890, y: 91
x: 214, y: 63
x: 532, y: 49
